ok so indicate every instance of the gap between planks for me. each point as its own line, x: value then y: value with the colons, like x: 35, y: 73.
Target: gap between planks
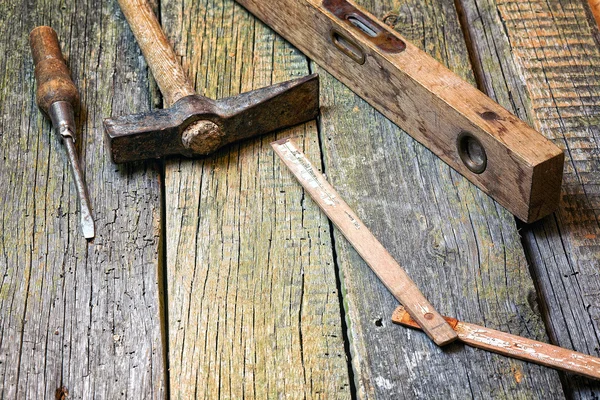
x: 339, y: 277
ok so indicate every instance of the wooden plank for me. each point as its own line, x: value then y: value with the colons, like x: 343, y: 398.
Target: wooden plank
x: 461, y: 248
x: 514, y: 164
x: 75, y: 315
x: 365, y: 243
x: 539, y: 58
x: 253, y: 304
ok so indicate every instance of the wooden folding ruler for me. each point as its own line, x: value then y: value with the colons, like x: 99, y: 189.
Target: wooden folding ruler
x: 364, y: 242
x: 514, y: 346
x: 492, y: 148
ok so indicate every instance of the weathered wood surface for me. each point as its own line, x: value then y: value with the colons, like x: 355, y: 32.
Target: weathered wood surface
x: 75, y: 315
x: 252, y: 297
x: 460, y: 247
x: 253, y: 302
x: 540, y: 59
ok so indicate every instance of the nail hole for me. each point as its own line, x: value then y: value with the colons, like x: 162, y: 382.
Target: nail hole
x: 428, y: 316
x: 471, y: 152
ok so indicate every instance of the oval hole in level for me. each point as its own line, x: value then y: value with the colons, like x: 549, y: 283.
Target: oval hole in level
x: 347, y: 46
x: 363, y: 25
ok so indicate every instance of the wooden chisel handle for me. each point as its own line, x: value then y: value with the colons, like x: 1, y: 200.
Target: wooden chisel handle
x: 54, y: 81
x: 166, y: 68
x: 515, y: 346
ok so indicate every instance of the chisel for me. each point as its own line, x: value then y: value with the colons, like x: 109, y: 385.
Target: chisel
x: 57, y: 97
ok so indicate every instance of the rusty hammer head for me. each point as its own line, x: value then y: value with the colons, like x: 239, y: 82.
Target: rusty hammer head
x: 196, y: 125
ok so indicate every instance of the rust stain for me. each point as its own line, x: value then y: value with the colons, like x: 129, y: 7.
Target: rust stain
x: 518, y: 374
x: 590, y: 236
x: 62, y: 393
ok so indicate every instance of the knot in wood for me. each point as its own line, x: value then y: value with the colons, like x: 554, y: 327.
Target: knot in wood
x: 202, y: 137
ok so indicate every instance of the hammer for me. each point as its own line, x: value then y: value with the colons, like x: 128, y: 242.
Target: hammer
x: 193, y: 124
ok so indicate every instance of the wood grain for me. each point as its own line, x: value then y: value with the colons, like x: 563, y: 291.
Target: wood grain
x: 539, y: 58
x: 75, y: 318
x: 253, y: 302
x: 103, y: 300
x: 362, y: 240
x: 428, y: 101
x: 462, y: 250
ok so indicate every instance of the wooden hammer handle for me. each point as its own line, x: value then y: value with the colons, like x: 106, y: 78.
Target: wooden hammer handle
x: 51, y: 73
x: 157, y: 50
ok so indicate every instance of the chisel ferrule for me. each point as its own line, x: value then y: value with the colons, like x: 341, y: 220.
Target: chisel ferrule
x: 63, y: 118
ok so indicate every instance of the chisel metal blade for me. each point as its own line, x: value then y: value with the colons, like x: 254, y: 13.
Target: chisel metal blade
x: 87, y: 222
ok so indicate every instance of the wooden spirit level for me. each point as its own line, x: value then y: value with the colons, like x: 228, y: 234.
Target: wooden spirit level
x: 492, y: 148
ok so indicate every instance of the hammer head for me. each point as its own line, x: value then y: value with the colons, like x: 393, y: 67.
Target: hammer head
x: 196, y: 125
